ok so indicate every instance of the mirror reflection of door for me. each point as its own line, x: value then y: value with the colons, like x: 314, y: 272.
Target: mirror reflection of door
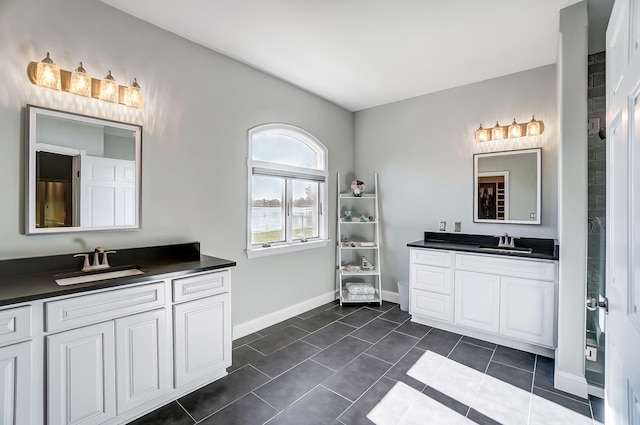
x: 54, y: 190
x: 493, y: 194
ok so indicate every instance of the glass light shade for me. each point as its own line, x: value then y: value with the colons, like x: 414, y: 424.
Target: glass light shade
x: 482, y: 134
x: 48, y: 74
x: 80, y: 82
x: 534, y: 128
x: 497, y: 132
x: 109, y: 89
x: 515, y: 130
x: 133, y: 96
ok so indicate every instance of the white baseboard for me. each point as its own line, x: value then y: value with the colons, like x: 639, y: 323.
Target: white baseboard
x: 573, y: 384
x: 596, y: 391
x: 246, y: 328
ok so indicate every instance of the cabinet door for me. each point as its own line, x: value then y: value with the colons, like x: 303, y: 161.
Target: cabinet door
x: 527, y: 310
x: 81, y: 386
x: 202, y: 338
x: 141, y: 356
x: 477, y: 300
x: 429, y: 278
x: 425, y: 303
x: 15, y: 384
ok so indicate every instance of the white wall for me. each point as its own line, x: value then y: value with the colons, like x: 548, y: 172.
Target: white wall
x: 423, y: 150
x: 198, y: 108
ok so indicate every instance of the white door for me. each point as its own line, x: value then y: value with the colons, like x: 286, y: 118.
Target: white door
x: 141, y: 356
x: 81, y: 384
x: 202, y: 329
x: 477, y: 300
x: 622, y: 368
x: 15, y: 384
x: 108, y: 191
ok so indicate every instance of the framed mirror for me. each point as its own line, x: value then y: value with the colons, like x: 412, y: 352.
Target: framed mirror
x: 82, y: 173
x: 507, y: 187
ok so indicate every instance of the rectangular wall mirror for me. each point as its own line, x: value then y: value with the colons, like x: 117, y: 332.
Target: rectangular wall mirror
x: 507, y: 187
x: 83, y: 173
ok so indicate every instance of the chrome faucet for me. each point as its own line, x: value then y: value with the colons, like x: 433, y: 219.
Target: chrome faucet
x: 506, y: 241
x: 97, y: 265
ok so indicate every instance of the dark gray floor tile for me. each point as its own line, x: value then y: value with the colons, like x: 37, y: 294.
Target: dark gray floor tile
x: 439, y: 341
x: 342, y: 352
x: 581, y: 407
x: 515, y: 358
x: 213, y: 397
x: 275, y: 341
x: 291, y: 385
x: 471, y: 355
x: 447, y: 401
x: 356, y: 377
x: 386, y: 306
x: 357, y: 413
x: 243, y: 355
x: 346, y: 309
x: 285, y: 358
x: 317, y: 310
x: 479, y: 342
x: 318, y: 321
x: 249, y: 410
x: 413, y: 329
x: 396, y: 315
x: 375, y: 330
x: 169, y: 414
x: 245, y: 340
x: 517, y: 377
x: 319, y: 407
x: 360, y: 317
x: 329, y: 334
x: 278, y: 326
x: 543, y: 377
x: 481, y: 419
x: 597, y: 407
x: 393, y: 347
x: 399, y: 371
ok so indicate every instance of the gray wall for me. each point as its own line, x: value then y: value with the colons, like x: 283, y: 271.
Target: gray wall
x: 198, y: 108
x: 423, y: 150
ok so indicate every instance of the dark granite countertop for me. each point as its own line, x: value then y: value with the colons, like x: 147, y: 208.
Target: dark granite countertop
x: 28, y: 279
x: 541, y: 249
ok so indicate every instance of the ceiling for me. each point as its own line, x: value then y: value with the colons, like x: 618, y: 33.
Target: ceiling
x: 364, y: 53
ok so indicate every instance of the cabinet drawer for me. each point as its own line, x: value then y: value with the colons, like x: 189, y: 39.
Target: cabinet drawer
x: 430, y: 304
x: 529, y: 269
x: 201, y: 285
x: 87, y: 309
x: 431, y: 257
x: 429, y: 278
x: 15, y: 324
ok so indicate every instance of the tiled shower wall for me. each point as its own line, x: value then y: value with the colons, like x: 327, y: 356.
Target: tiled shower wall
x: 597, y: 210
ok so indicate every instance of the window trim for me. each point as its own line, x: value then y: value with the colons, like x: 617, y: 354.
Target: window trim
x: 265, y: 168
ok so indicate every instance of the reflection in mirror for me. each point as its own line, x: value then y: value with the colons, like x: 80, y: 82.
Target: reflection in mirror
x: 507, y: 187
x: 83, y: 173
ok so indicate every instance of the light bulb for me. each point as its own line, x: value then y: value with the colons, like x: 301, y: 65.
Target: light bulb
x: 80, y: 82
x: 48, y: 74
x: 109, y: 89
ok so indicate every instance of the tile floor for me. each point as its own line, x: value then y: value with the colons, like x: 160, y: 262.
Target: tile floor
x: 368, y: 364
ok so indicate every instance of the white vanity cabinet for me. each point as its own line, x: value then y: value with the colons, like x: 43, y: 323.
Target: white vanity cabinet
x: 202, y: 326
x: 99, y: 370
x: 15, y: 366
x: 506, y: 300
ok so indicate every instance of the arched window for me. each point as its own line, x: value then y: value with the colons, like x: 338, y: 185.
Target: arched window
x: 287, y: 170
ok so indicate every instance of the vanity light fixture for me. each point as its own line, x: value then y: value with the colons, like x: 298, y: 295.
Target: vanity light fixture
x: 513, y: 131
x: 80, y: 82
x: 109, y: 89
x: 47, y: 74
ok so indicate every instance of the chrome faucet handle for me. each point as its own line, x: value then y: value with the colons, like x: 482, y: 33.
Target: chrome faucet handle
x: 86, y: 266
x: 105, y: 261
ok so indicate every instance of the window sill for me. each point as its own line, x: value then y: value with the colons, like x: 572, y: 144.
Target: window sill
x: 284, y: 249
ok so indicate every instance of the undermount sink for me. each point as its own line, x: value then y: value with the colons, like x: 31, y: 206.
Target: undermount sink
x: 505, y: 249
x: 75, y: 279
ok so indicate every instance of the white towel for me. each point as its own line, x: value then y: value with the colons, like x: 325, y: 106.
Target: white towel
x: 360, y: 288
x: 360, y: 297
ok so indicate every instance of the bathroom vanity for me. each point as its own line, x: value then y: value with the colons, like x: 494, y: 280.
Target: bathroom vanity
x: 469, y: 285
x: 111, y: 350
